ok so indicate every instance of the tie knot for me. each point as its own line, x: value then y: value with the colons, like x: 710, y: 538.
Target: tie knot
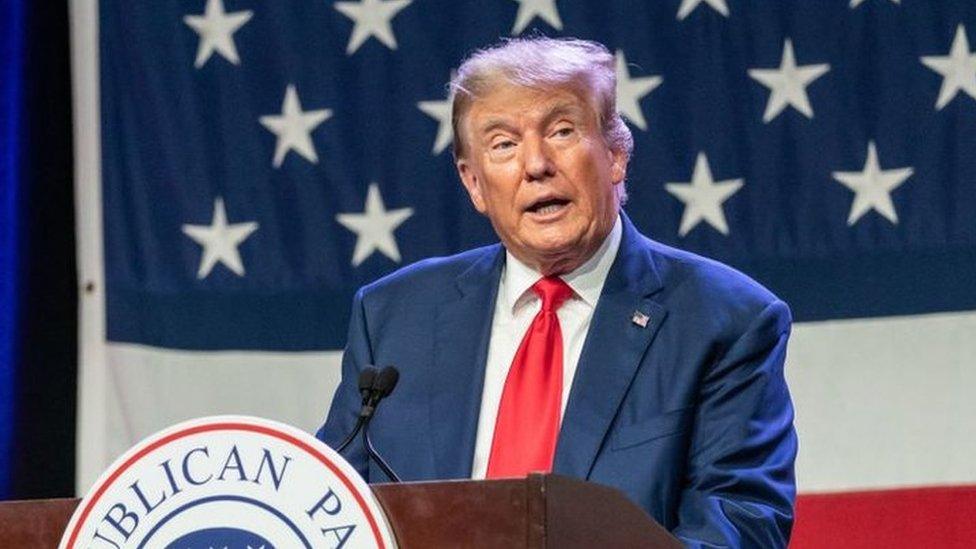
x: 552, y: 291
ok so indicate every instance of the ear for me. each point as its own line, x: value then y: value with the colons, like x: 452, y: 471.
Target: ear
x: 472, y: 183
x: 618, y: 166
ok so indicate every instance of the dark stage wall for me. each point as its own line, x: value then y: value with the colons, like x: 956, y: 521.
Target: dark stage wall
x: 38, y: 332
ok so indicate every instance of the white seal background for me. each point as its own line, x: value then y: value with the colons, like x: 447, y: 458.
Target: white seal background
x: 305, y: 480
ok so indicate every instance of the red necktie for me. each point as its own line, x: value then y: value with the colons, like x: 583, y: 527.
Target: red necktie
x: 528, y: 414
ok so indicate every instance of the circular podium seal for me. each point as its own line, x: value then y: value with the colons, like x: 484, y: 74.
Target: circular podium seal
x: 229, y: 481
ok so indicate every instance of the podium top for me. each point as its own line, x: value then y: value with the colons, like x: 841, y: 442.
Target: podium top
x: 540, y: 511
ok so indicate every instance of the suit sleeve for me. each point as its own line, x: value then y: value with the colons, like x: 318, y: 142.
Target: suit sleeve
x: 740, y: 486
x: 347, y: 401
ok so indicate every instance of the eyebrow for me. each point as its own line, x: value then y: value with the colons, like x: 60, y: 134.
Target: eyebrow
x: 562, y: 109
x: 557, y: 111
x: 494, y: 124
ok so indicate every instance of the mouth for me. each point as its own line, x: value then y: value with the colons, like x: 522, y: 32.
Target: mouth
x: 547, y: 207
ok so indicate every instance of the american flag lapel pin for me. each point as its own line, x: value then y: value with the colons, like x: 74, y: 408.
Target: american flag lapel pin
x: 640, y: 319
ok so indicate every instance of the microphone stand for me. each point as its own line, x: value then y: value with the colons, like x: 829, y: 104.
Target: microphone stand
x: 352, y: 435
x: 374, y: 387
x: 371, y: 451
x: 367, y: 381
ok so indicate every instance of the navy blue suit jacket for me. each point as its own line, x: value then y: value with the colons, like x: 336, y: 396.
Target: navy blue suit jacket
x: 689, y: 415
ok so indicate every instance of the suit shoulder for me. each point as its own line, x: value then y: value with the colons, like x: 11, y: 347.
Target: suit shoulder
x: 428, y: 276
x: 716, y: 285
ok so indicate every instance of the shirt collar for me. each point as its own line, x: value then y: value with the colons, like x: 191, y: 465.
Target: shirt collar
x: 586, y: 281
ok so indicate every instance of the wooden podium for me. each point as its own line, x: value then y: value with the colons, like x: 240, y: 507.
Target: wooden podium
x: 540, y: 511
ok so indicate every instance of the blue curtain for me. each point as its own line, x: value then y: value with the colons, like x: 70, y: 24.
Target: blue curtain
x: 11, y: 87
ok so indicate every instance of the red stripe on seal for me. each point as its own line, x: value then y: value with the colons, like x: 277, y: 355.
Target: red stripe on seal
x: 943, y: 517
x: 226, y: 427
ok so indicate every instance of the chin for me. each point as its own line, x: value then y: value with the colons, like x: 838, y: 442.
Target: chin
x: 554, y: 246
x: 560, y: 254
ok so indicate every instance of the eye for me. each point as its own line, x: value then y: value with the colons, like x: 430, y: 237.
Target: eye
x: 563, y: 131
x: 502, y: 144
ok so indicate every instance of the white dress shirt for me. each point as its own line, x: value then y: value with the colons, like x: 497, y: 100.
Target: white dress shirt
x: 515, y: 307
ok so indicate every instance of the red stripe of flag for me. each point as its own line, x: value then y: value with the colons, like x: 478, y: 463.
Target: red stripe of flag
x: 943, y: 517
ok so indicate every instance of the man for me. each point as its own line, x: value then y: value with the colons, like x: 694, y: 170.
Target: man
x: 577, y: 345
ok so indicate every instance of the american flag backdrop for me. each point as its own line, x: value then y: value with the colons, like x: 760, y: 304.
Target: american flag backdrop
x: 243, y: 166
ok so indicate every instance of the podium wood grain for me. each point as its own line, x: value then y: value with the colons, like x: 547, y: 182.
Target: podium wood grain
x: 35, y: 523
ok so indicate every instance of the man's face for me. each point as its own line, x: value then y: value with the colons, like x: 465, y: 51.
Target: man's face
x: 537, y: 165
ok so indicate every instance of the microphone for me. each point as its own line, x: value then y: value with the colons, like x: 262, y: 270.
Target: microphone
x: 383, y: 385
x: 366, y: 380
x: 374, y: 386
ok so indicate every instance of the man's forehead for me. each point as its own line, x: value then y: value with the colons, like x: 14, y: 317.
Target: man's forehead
x: 516, y: 102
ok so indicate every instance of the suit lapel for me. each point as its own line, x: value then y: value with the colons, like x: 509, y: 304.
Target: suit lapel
x: 462, y: 329
x: 614, y: 347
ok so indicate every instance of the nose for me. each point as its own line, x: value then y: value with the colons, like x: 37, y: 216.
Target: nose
x: 537, y: 159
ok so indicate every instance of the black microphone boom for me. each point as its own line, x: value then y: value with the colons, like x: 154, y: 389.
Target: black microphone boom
x: 374, y: 386
x: 385, y: 382
x: 367, y: 378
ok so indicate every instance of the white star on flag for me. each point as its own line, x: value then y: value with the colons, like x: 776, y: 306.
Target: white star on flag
x: 372, y: 19
x: 529, y: 9
x: 788, y: 84
x: 872, y: 187
x: 441, y: 112
x: 703, y: 197
x: 220, y: 241
x: 958, y: 69
x: 688, y: 6
x: 374, y: 227
x: 856, y: 3
x: 631, y: 90
x: 293, y: 127
x: 216, y: 29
